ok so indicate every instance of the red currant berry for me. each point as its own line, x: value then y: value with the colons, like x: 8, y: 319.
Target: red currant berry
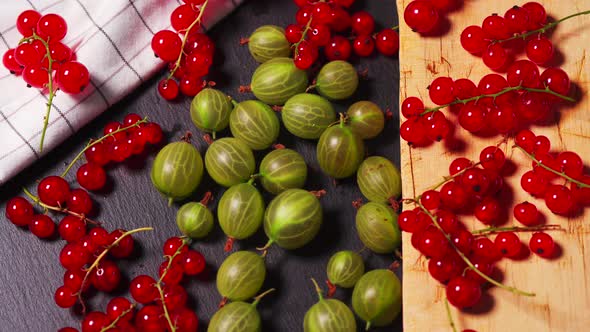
x: 508, y: 243
x: 80, y: 202
x: 72, y: 77
x: 172, y: 245
x: 121, y: 150
x: 116, y: 307
x: 182, y: 17
x: 473, y: 40
x: 173, y: 272
x: 542, y: 244
x: 106, y: 276
x: 344, y: 3
x: 430, y: 199
x: 464, y: 88
x: 73, y: 256
x: 410, y: 221
x: 581, y: 194
x: 537, y: 14
x: 441, y: 90
x: 53, y: 190
x: 153, y: 133
x: 168, y: 89
x: 362, y: 23
x: 472, y: 117
x: 193, y: 263
x: 548, y: 161
x: 42, y: 226
x: 99, y: 237
x: 197, y: 63
x: 413, y: 131
x: 52, y: 27
x: 494, y: 27
x: 293, y: 33
x: 340, y: 20
x: 191, y: 85
x: 463, y: 292
x: 387, y: 42
x: 463, y: 240
x: 174, y: 297
x: 517, y: 19
x: 338, y: 49
x: 488, y: 211
x: 151, y: 318
x: 10, y: 63
x: 559, y: 199
x: 433, y: 243
x: 458, y: 165
x: 131, y: 119
x: 533, y: 183
x: 59, y: 52
x: 94, y: 322
x: 502, y: 118
x: 448, y: 221
x: 185, y: 320
x: 532, y: 106
x: 111, y: 128
x: 73, y: 279
x: 437, y: 126
x: 143, y: 289
x: 322, y: 13
x: 445, y: 268
x: 65, y: 297
x: 19, y: 211
x: 411, y: 107
x: 303, y: 15
x: 26, y: 54
x: 319, y: 35
x: 523, y: 73
x: 71, y: 228
x: 89, y: 246
x: 492, y: 158
x: 363, y: 45
x: 495, y: 56
x: 421, y: 16
x: 482, y: 266
x: 306, y: 55
x: 526, y: 213
x: 98, y: 154
x: 201, y: 43
x: 91, y: 176
x: 539, y: 49
x: 557, y: 80
x: 35, y: 76
x: 570, y: 163
x: 474, y: 181
x: 124, y: 247
x: 526, y: 140
x: 485, y: 249
x: 166, y: 45
x: 26, y: 22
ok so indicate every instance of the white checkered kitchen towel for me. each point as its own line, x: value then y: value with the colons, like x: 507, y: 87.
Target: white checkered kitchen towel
x: 112, y: 38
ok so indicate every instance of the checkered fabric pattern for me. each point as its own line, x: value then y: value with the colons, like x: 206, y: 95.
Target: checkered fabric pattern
x: 111, y: 38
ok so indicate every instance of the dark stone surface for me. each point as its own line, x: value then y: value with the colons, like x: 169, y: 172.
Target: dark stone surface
x: 31, y: 272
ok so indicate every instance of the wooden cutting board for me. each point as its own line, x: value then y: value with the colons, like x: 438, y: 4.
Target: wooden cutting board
x: 562, y: 285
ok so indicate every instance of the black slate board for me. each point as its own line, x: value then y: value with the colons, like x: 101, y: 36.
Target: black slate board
x: 31, y: 272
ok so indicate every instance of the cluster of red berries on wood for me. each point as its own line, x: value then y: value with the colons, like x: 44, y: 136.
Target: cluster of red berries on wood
x: 549, y: 170
x: 425, y: 16
x: 322, y: 24
x: 499, y: 38
x: 129, y: 139
x: 188, y: 52
x: 41, y: 56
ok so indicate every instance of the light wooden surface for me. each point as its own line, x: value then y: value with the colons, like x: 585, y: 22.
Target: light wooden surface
x: 562, y: 286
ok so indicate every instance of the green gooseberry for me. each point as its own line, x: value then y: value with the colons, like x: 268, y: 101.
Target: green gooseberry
x: 366, y: 119
x: 277, y: 80
x: 240, y: 211
x: 177, y: 170
x: 194, y: 220
x: 340, y: 151
x: 241, y: 275
x: 229, y: 161
x: 282, y: 169
x: 328, y: 315
x: 307, y: 115
x: 379, y: 180
x: 345, y: 268
x: 268, y: 42
x: 254, y: 123
x: 210, y: 110
x: 377, y: 298
x: 293, y: 218
x: 337, y: 80
x: 238, y: 316
x: 376, y: 225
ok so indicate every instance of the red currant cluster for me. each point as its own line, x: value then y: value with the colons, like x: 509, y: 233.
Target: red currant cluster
x: 424, y: 16
x: 41, y: 54
x: 461, y: 259
x: 548, y: 167
x: 121, y: 141
x: 499, y: 38
x: 189, y: 57
x: 497, y: 105
x: 317, y: 23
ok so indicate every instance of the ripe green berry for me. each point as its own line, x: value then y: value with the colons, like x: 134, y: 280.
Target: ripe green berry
x: 194, y: 220
x: 254, y: 123
x: 366, y: 119
x: 229, y: 161
x: 345, y: 268
x: 328, y: 315
x: 241, y: 275
x: 340, y: 151
x: 379, y: 180
x: 337, y: 80
x: 376, y: 225
x: 210, y: 110
x: 282, y: 169
x: 268, y: 42
x: 240, y: 211
x: 277, y: 80
x: 307, y: 115
x: 377, y: 298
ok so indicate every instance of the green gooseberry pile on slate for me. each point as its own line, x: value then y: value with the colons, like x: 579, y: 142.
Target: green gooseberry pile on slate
x: 293, y: 217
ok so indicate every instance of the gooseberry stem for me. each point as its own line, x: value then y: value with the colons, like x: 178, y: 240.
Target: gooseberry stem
x: 101, y: 256
x: 113, y: 324
x: 317, y: 289
x: 491, y: 230
x: 467, y: 261
x: 184, y: 39
x: 260, y: 296
x: 91, y: 144
x: 37, y: 201
x: 561, y: 174
x: 449, y: 315
x: 540, y: 30
x: 49, y: 84
x: 495, y: 95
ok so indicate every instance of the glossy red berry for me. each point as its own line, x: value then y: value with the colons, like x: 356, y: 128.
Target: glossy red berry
x: 173, y: 272
x: 430, y: 199
x: 293, y: 33
x: 437, y: 126
x: 143, y: 289
x: 526, y: 213
x: 153, y: 133
x: 182, y: 17
x: 106, y: 276
x: 494, y: 27
x: 168, y: 89
x: 464, y: 88
x: 191, y: 85
x: 413, y: 131
x: 526, y: 140
x: 542, y: 244
x: 193, y: 262
x: 570, y: 163
x: 412, y: 222
x: 42, y: 226
x: 539, y: 49
x: 472, y: 117
x: 73, y: 256
x: 198, y: 63
x: 26, y: 22
x: 362, y: 23
x: 517, y: 19
x: 485, y: 249
x: 445, y: 268
x: 94, y: 322
x: 488, y: 211
x: 508, y: 243
x: 473, y: 40
x: 556, y: 79
x: 116, y: 307
x: 533, y: 183
x: 340, y: 20
x: 421, y: 16
x: 19, y: 211
x: 319, y: 34
x: 80, y: 202
x: 73, y: 279
x: 124, y: 247
x: 502, y: 118
x: 65, y: 297
x: 185, y: 320
x: 72, y: 77
x: 559, y: 199
x: 441, y: 90
x: 482, y: 266
x: 463, y: 292
x: 10, y: 63
x: 303, y: 15
x: 458, y: 165
x: 71, y: 228
x: 321, y: 13
x: 52, y: 27
x: 98, y: 154
x: 495, y: 56
x: 35, y: 75
x: 166, y: 45
x: 338, y: 49
x: 448, y: 221
x: 581, y: 194
x: 412, y: 106
x: 463, y: 240
x: 387, y: 42
x: 492, y: 158
x: 523, y: 73
x: 53, y: 190
x: 121, y: 150
x: 201, y: 43
x: 433, y: 243
x: 59, y: 52
x: 150, y: 318
x: 537, y: 14
x: 26, y: 54
x: 91, y: 176
x: 172, y: 245
x: 363, y: 45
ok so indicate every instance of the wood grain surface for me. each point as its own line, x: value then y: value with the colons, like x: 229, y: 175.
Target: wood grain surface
x: 562, y: 285
x: 30, y: 271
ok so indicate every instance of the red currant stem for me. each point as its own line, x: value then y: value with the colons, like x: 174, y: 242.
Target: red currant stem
x: 541, y: 30
x: 449, y: 315
x: 166, y: 313
x: 318, y: 289
x: 102, y: 255
x: 89, y: 145
x: 37, y: 201
x: 311, y: 87
x: 561, y: 174
x: 395, y: 27
x: 445, y: 180
x: 494, y: 96
x: 161, y: 290
x: 491, y: 230
x: 467, y: 261
x: 303, y: 35
x: 184, y: 39
x: 113, y: 324
x: 260, y: 296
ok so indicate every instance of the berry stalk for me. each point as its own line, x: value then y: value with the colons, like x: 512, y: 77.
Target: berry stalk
x: 159, y: 284
x: 113, y: 324
x: 467, y: 261
x: 37, y: 201
x: 492, y: 230
x: 89, y: 145
x: 496, y: 95
x: 184, y: 39
x: 449, y: 315
x: 260, y: 296
x: 544, y: 29
x: 303, y: 34
x: 561, y: 174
